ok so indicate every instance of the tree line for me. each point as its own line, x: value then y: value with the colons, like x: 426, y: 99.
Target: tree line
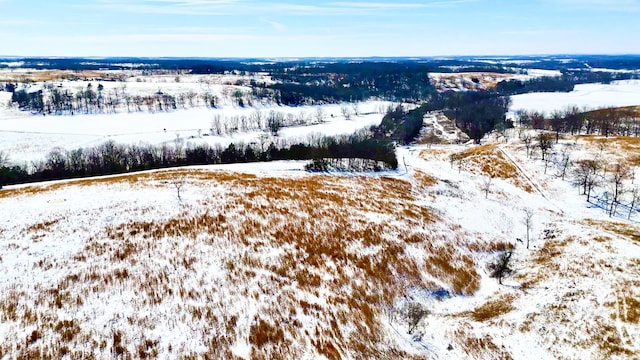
x: 113, y: 158
x: 566, y: 82
x: 92, y: 100
x: 346, y: 81
x: 606, y: 122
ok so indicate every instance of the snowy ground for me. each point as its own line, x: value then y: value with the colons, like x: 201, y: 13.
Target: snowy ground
x: 589, y: 96
x: 27, y: 138
x: 265, y: 260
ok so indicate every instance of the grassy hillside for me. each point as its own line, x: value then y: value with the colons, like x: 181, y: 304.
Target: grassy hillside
x: 272, y: 262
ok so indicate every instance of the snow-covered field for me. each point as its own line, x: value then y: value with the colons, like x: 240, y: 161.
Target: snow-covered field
x: 589, y: 96
x: 265, y: 260
x: 25, y: 137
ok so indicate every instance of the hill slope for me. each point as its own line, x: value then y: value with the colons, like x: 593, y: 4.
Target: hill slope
x: 270, y: 261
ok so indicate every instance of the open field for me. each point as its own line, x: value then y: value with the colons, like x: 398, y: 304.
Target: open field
x: 28, y: 138
x: 587, y: 96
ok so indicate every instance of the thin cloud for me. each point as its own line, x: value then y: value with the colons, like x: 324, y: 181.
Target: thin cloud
x: 599, y: 5
x: 169, y: 7
x: 145, y: 38
x: 19, y: 22
x: 396, y: 5
x: 378, y: 5
x: 540, y: 32
x: 274, y: 24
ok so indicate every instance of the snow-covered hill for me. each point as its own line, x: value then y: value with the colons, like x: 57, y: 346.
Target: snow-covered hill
x: 268, y: 261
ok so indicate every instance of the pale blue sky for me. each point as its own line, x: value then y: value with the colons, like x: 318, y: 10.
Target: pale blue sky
x: 292, y: 28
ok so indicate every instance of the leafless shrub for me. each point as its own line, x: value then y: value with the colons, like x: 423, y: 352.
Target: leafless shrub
x: 414, y: 313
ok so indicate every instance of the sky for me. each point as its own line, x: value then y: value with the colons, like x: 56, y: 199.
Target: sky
x: 292, y: 28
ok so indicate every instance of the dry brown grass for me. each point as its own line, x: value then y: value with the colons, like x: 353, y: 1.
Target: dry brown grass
x: 159, y: 178
x: 28, y: 76
x: 321, y: 225
x: 425, y: 180
x: 430, y: 154
x: 493, y: 308
x: 621, y: 148
x: 628, y: 303
x: 42, y: 226
x: 479, y: 346
x: 488, y: 160
x: 606, y: 334
x: 630, y: 231
x: 488, y: 79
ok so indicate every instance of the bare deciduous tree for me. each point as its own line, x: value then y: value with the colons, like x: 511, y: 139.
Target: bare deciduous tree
x: 635, y: 197
x: 527, y: 140
x: 319, y: 114
x: 178, y: 183
x: 564, y: 163
x: 256, y: 119
x: 216, y: 125
x: 585, y: 175
x: 528, y: 222
x: 620, y: 173
x: 346, y: 112
x: 355, y: 108
x: 486, y: 185
x: 179, y: 143
x: 275, y: 121
x: 501, y: 267
x: 545, y: 144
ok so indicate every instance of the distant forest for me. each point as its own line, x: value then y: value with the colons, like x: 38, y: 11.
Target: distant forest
x: 112, y: 158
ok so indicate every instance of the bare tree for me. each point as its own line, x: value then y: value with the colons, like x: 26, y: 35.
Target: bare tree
x: 527, y: 140
x: 179, y: 143
x: 256, y: 119
x: 263, y: 139
x: 527, y: 220
x: 501, y: 267
x: 178, y: 183
x: 544, y: 144
x: 216, y: 125
x: 346, y: 112
x: 486, y: 185
x: 558, y: 123
x: 585, y: 175
x: 620, y: 173
x: 564, y: 163
x: 275, y: 121
x: 319, y: 114
x: 355, y: 108
x: 635, y: 197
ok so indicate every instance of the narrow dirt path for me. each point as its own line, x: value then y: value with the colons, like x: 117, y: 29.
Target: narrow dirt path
x: 533, y: 183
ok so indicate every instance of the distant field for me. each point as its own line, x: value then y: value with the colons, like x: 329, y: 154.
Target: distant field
x: 26, y: 137
x: 30, y: 75
x: 588, y: 96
